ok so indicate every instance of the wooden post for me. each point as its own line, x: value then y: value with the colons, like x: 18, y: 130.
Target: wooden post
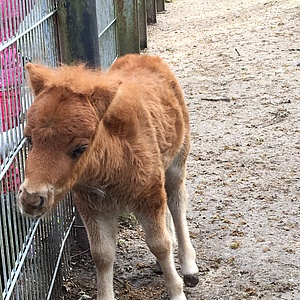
x: 78, y: 40
x: 160, y: 4
x: 143, y: 24
x: 78, y: 32
x: 128, y: 33
x: 151, y: 11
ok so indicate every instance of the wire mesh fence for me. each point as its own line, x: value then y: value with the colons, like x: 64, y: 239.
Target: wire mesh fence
x: 32, y: 252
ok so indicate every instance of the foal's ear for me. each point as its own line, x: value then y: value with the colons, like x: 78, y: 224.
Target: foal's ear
x: 38, y: 75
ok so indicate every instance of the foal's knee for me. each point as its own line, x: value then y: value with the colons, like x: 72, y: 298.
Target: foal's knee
x: 103, y: 259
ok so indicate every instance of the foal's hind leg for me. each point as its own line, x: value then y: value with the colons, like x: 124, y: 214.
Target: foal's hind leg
x: 158, y: 240
x: 171, y: 230
x: 177, y: 202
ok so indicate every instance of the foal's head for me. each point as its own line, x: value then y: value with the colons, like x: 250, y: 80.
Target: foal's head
x: 60, y: 127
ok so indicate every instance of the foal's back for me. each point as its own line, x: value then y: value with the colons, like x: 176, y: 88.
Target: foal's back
x: 160, y: 101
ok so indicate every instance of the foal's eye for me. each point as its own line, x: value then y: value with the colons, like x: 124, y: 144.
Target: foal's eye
x: 77, y: 151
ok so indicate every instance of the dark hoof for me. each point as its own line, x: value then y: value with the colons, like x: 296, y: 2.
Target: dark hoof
x: 191, y: 280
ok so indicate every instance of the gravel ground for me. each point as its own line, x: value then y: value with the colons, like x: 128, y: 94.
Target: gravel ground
x: 239, y: 66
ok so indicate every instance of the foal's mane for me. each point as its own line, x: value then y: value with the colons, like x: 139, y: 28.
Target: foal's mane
x: 78, y: 78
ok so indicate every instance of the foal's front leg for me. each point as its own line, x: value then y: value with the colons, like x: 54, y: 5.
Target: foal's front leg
x: 102, y: 233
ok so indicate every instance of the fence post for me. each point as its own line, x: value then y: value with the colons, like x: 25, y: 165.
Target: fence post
x: 127, y: 26
x: 143, y: 24
x: 78, y: 39
x: 78, y: 31
x: 151, y: 11
x: 160, y: 5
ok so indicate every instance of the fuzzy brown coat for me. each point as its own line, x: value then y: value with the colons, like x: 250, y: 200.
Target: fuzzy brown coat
x: 119, y: 139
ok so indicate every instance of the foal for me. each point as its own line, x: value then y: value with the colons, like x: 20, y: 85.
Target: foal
x: 119, y: 140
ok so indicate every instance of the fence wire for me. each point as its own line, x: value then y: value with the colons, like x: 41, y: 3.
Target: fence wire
x: 32, y: 253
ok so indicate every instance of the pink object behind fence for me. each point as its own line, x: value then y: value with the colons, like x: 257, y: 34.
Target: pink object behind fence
x: 10, y: 63
x: 11, y: 76
x: 10, y: 85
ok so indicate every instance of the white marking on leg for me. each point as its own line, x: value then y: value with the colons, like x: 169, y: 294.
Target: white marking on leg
x: 177, y: 202
x: 102, y: 236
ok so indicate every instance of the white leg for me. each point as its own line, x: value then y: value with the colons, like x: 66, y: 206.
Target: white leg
x: 177, y: 202
x: 102, y: 237
x: 171, y: 230
x: 170, y: 227
x: 159, y: 242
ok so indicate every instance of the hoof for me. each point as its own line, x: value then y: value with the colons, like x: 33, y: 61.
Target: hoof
x: 191, y: 280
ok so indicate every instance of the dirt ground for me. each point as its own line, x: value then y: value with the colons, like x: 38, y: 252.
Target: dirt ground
x: 239, y: 66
